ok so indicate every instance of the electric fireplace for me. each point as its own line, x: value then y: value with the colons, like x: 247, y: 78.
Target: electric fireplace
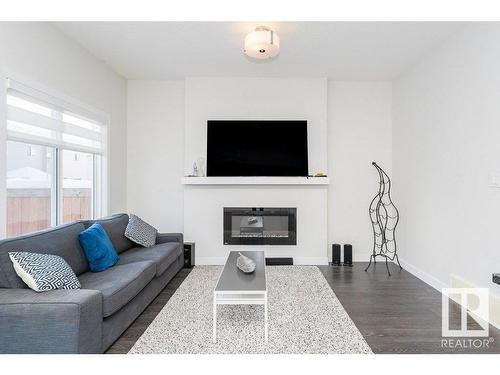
x: 260, y: 226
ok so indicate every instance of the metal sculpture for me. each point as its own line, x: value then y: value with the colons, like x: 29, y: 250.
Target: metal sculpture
x: 384, y: 217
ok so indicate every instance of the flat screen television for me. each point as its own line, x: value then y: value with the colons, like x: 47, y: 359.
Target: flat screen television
x: 257, y: 148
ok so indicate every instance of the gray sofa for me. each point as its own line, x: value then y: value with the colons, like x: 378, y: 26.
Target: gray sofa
x: 90, y: 319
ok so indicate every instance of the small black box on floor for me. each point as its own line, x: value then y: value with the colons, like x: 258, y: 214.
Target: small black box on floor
x: 279, y: 261
x: 336, y: 254
x: 188, y: 254
x: 347, y: 255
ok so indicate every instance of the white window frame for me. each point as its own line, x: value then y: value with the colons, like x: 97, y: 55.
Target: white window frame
x: 101, y: 162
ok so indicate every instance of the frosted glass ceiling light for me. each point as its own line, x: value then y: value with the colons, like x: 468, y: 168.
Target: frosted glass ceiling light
x: 262, y: 43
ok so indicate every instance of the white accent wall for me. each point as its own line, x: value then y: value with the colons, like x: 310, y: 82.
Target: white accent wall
x: 38, y: 53
x: 256, y: 99
x: 349, y: 127
x: 446, y: 142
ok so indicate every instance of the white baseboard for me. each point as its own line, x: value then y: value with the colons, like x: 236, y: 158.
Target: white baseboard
x: 424, y: 276
x: 361, y: 257
x: 455, y: 281
x: 301, y: 261
x: 209, y: 261
x: 310, y: 261
x: 494, y: 301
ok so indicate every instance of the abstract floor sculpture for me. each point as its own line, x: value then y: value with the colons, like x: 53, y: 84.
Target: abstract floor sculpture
x: 384, y: 217
x: 305, y: 316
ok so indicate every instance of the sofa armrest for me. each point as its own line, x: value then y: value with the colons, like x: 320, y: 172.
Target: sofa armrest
x: 169, y: 237
x: 57, y: 321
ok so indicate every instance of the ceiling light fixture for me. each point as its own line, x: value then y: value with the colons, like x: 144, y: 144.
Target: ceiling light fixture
x: 262, y: 43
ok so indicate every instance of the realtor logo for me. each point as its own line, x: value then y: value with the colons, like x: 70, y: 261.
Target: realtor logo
x: 471, y: 300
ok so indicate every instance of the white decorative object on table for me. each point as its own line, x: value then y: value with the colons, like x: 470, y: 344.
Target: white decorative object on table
x: 245, y: 264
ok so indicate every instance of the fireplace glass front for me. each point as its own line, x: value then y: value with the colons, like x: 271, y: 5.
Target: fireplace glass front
x: 260, y: 226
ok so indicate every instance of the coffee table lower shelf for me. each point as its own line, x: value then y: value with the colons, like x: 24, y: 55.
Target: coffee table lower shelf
x: 239, y: 298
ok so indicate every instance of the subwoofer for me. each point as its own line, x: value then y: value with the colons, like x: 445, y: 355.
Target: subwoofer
x: 348, y: 255
x: 336, y: 254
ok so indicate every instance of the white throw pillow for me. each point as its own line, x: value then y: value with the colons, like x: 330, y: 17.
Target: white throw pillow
x: 140, y: 232
x: 43, y: 272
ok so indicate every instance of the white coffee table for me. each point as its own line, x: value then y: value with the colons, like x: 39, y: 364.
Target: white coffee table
x: 238, y: 288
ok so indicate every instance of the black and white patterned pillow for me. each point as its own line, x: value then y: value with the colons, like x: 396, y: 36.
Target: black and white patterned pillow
x: 140, y: 232
x: 43, y: 272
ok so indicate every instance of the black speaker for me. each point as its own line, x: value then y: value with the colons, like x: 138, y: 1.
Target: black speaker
x: 336, y: 254
x: 347, y: 255
x: 188, y: 254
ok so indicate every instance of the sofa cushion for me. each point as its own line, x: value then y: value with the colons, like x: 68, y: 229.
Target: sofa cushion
x: 61, y: 241
x: 42, y: 272
x: 163, y: 255
x: 98, y: 248
x: 140, y: 232
x: 119, y: 284
x: 115, y: 228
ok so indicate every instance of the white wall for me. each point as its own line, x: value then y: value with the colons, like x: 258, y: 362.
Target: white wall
x: 350, y: 128
x: 39, y: 53
x: 446, y: 138
x: 256, y: 99
x: 359, y: 132
x: 155, y: 145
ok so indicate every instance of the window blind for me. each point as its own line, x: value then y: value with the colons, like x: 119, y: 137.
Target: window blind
x: 37, y: 117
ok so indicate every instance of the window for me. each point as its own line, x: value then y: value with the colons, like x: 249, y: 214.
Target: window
x: 30, y: 188
x: 56, y: 154
x: 77, y: 186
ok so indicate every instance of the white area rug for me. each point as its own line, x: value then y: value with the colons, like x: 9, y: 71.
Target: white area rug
x: 305, y: 316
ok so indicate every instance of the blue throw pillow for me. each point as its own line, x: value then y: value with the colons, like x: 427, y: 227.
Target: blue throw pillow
x: 98, y: 248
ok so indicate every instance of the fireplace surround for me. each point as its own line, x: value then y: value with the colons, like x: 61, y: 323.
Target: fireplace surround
x: 204, y: 218
x: 260, y: 226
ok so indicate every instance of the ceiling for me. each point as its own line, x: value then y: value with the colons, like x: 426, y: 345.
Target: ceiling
x: 337, y: 50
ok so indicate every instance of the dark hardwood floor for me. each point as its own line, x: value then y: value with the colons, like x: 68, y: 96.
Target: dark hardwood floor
x: 398, y: 314
x: 132, y: 334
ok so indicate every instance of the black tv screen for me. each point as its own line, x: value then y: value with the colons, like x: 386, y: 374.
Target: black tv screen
x: 257, y: 148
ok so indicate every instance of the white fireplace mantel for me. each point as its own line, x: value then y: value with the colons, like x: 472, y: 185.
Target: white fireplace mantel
x: 255, y: 180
